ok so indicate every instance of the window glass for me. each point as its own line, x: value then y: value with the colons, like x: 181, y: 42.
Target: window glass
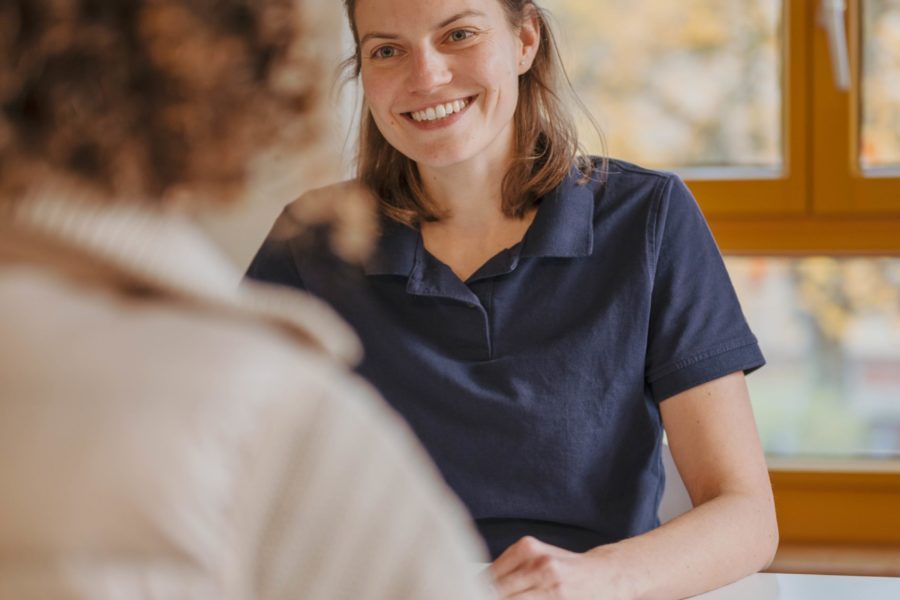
x: 830, y: 330
x: 880, y: 143
x: 693, y: 85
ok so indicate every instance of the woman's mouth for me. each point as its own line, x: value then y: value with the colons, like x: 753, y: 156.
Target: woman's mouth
x: 439, y: 114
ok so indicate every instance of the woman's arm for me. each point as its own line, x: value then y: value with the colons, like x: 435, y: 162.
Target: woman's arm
x: 729, y: 534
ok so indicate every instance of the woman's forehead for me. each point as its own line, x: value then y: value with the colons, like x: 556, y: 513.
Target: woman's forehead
x: 398, y: 15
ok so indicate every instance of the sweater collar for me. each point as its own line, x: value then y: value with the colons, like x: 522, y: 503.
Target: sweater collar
x: 165, y: 253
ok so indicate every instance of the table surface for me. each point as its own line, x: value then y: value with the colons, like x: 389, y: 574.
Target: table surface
x: 772, y: 586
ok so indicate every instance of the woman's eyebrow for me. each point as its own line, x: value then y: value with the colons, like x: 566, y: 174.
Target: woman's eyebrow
x: 442, y: 24
x: 458, y: 16
x: 376, y: 34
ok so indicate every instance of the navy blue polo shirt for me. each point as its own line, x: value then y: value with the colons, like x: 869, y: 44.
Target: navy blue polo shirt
x: 535, y: 384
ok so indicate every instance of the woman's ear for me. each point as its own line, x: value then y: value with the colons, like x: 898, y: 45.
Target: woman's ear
x: 529, y: 38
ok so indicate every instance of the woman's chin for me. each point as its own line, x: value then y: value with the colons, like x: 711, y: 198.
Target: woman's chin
x: 441, y: 160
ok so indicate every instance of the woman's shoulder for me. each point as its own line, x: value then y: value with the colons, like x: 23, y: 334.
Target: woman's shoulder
x: 346, y: 209
x: 337, y: 188
x: 320, y: 203
x: 611, y: 169
x: 617, y: 182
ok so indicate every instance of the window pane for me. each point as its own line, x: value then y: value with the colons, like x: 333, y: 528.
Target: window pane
x: 880, y: 144
x: 686, y: 84
x: 830, y: 330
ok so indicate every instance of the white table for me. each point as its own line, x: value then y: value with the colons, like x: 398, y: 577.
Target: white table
x: 772, y: 586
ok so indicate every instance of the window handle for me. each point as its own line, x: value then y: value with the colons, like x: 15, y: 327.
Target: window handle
x: 832, y: 17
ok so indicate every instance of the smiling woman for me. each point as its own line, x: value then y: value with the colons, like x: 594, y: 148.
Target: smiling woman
x: 523, y: 82
x: 465, y: 59
x: 538, y: 315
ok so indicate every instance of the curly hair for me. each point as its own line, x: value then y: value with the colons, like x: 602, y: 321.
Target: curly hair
x: 149, y: 98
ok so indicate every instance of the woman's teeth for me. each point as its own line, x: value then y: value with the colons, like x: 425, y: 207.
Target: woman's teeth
x: 440, y: 111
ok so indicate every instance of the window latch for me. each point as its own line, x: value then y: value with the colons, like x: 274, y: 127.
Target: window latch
x: 832, y: 17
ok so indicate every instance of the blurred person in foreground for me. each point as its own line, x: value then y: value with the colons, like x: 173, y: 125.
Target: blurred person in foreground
x: 162, y: 433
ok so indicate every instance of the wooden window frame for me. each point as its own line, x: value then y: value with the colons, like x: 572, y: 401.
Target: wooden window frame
x: 840, y: 186
x: 784, y: 195
x: 822, y: 204
x: 849, y: 502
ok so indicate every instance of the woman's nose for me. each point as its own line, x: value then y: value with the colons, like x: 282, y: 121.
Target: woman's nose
x: 429, y: 70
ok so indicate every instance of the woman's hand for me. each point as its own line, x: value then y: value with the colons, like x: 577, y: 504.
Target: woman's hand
x: 531, y: 569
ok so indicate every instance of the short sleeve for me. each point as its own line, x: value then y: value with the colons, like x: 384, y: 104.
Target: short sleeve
x: 697, y: 331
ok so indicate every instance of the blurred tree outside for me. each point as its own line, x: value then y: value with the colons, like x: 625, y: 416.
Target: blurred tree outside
x: 694, y: 83
x: 880, y: 143
x: 830, y: 330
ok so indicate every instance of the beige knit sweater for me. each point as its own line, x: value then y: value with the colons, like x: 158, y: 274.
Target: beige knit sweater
x: 164, y: 434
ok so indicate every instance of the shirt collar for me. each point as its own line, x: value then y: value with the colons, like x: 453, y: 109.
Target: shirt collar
x: 168, y: 254
x: 563, y: 227
x: 396, y: 250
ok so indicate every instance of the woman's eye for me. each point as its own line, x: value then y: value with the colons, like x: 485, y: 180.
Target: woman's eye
x: 460, y: 35
x: 385, y: 52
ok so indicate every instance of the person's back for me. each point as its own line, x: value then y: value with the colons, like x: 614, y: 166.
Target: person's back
x: 164, y: 434
x: 163, y: 437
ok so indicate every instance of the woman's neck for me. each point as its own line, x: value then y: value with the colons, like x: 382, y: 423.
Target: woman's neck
x: 475, y: 227
x: 470, y: 194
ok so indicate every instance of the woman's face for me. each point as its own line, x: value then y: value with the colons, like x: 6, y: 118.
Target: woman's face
x: 441, y: 76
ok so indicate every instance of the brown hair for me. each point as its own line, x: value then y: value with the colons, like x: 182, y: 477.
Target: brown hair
x: 546, y: 141
x: 149, y: 98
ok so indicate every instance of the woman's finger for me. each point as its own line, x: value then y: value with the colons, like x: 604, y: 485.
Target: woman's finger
x: 518, y: 582
x: 515, y: 556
